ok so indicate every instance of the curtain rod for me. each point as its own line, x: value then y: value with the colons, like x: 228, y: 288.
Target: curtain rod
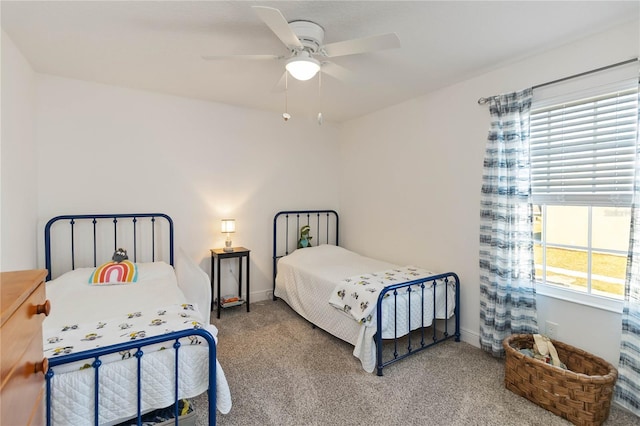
x: 483, y: 101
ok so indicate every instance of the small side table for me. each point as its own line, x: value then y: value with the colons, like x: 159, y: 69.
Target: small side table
x: 216, y: 256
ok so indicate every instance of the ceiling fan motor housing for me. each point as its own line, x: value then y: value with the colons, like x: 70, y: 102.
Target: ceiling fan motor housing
x: 310, y: 34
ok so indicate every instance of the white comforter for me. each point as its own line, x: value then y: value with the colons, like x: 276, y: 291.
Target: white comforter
x: 307, y: 278
x: 75, y: 302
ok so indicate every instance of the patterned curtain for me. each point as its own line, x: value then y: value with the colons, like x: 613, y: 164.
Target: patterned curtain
x: 627, y: 390
x: 507, y: 274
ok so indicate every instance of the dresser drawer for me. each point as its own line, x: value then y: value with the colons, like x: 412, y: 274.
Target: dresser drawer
x: 19, y: 330
x: 23, y: 390
x: 22, y: 310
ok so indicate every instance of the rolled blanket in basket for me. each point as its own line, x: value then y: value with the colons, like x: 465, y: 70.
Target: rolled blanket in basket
x: 544, y: 350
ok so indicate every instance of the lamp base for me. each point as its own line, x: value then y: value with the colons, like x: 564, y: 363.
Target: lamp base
x: 227, y: 247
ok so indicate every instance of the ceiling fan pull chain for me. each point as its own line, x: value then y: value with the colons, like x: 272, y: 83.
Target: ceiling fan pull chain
x: 320, y: 119
x: 285, y: 115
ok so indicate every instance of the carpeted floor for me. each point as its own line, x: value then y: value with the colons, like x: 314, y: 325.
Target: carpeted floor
x: 281, y: 371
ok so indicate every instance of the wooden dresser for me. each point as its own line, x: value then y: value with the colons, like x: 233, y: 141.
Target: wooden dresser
x: 24, y: 306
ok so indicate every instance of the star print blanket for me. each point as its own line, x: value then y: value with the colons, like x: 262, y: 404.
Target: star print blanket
x: 358, y: 295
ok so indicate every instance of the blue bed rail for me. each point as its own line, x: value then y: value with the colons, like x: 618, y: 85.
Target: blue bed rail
x: 95, y: 354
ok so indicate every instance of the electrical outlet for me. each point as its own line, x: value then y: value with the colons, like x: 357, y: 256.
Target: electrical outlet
x: 552, y: 330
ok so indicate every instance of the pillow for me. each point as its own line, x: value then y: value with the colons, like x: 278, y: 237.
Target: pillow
x: 114, y: 273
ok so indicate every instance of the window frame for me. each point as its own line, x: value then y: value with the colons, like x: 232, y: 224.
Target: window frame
x: 555, y: 291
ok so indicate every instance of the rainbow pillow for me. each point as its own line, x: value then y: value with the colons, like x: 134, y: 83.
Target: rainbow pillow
x: 115, y: 273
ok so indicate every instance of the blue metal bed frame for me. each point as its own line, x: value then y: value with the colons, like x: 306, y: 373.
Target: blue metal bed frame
x: 330, y: 220
x: 138, y: 344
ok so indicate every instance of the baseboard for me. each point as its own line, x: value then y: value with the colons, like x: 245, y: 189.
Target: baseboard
x: 470, y: 337
x: 259, y: 296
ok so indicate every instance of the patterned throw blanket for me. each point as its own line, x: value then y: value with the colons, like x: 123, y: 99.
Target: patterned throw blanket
x: 358, y: 295
x: 80, y: 336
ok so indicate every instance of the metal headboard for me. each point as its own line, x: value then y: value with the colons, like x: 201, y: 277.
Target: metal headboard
x: 100, y: 241
x: 324, y: 226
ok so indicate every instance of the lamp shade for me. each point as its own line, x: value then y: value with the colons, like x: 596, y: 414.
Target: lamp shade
x: 303, y: 66
x: 228, y: 225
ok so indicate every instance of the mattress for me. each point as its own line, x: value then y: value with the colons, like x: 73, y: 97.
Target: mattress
x: 307, y: 277
x: 76, y: 304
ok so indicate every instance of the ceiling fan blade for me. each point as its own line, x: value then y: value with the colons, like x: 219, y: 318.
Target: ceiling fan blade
x: 279, y: 25
x: 362, y: 45
x: 338, y: 72
x: 242, y: 57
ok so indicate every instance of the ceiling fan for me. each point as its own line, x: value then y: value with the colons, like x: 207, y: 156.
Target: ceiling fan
x: 307, y: 51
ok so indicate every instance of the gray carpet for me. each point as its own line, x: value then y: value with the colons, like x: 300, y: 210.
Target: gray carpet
x: 281, y: 371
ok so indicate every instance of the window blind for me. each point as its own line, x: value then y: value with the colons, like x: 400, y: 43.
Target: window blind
x: 583, y: 152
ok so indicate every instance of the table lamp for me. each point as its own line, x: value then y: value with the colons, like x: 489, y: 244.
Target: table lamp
x: 228, y: 226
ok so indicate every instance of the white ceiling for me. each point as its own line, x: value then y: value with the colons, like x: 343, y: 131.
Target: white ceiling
x: 158, y: 45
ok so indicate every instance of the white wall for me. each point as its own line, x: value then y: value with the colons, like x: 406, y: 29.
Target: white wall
x: 18, y: 199
x: 411, y: 179
x: 104, y: 149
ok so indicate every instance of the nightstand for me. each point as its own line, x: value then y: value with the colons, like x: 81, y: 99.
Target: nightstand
x: 219, y: 254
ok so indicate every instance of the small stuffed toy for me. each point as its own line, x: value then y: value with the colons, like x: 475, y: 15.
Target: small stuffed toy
x: 305, y: 239
x: 120, y: 255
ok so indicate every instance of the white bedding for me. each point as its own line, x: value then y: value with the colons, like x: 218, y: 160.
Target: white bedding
x: 307, y: 278
x: 75, y: 302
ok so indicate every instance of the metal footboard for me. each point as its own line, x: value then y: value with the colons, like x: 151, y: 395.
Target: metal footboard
x: 137, y: 345
x: 411, y: 289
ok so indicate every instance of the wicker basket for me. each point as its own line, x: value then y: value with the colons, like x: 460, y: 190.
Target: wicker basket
x: 582, y: 394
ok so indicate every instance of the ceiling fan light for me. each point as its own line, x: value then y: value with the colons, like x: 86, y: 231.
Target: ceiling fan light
x: 303, y: 67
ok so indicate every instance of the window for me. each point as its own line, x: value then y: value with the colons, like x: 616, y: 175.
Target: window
x: 582, y: 165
